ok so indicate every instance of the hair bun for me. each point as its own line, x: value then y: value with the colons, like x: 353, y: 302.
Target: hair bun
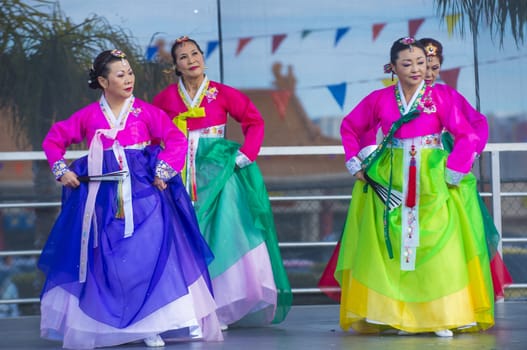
x: 92, y: 81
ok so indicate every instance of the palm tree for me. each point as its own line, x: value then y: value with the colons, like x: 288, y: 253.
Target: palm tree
x: 503, y: 16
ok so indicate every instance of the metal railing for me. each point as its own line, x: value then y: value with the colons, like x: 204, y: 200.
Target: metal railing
x: 496, y: 195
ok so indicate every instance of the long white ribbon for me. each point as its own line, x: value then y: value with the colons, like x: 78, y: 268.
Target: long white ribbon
x: 95, y: 158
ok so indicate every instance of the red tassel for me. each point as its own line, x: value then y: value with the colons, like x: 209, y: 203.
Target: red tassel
x: 411, y: 193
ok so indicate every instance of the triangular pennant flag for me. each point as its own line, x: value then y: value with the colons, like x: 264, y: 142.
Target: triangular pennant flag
x: 339, y: 93
x: 277, y: 40
x: 151, y: 52
x: 305, y: 33
x: 451, y: 21
x: 413, y: 26
x: 340, y: 33
x: 281, y: 101
x: 211, y: 46
x: 450, y: 76
x: 389, y: 82
x: 241, y: 44
x: 376, y: 29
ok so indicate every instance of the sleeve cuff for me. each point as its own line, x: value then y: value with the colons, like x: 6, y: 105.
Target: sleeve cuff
x: 366, y: 151
x: 453, y: 177
x: 242, y: 160
x: 354, y: 165
x: 59, y: 168
x: 164, y: 171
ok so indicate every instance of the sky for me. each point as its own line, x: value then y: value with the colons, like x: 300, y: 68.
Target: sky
x: 317, y: 60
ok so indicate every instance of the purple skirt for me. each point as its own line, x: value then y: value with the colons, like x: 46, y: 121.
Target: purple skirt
x: 128, y: 278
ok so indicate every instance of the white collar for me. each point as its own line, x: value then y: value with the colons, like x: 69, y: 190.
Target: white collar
x: 408, y: 106
x: 109, y: 113
x: 197, y: 99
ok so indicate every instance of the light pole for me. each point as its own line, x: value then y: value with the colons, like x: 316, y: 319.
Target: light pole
x: 220, y: 39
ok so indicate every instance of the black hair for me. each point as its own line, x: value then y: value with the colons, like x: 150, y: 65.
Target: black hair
x: 403, y: 44
x: 100, y: 66
x: 179, y: 42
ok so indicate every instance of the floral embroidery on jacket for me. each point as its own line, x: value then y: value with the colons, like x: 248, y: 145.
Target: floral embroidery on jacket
x: 211, y: 94
x: 135, y: 111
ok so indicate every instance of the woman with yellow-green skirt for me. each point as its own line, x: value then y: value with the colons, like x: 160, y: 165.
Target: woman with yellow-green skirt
x: 413, y: 254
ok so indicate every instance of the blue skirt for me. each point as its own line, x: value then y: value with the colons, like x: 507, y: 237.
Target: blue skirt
x: 128, y: 278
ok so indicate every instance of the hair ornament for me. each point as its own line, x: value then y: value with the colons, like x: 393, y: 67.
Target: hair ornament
x: 407, y: 41
x: 182, y: 39
x: 388, y: 68
x: 118, y: 53
x: 92, y: 75
x: 431, y: 50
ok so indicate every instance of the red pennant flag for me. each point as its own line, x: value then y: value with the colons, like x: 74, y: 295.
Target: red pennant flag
x: 281, y: 101
x: 376, y: 29
x: 450, y: 76
x: 241, y: 44
x: 413, y: 26
x: 277, y: 40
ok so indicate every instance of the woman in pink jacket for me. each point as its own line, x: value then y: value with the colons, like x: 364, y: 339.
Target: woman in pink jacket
x: 249, y: 280
x: 125, y: 260
x: 413, y: 255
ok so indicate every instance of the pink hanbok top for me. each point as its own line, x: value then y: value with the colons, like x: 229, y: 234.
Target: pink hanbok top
x: 144, y: 124
x: 219, y: 101
x: 477, y: 120
x: 381, y: 108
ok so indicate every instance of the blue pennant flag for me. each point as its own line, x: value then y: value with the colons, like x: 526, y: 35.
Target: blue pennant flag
x: 340, y: 33
x: 211, y: 46
x: 339, y: 93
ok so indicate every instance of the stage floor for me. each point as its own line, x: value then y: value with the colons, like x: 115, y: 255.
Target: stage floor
x: 309, y: 327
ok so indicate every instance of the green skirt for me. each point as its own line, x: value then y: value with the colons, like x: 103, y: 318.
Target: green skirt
x: 235, y: 217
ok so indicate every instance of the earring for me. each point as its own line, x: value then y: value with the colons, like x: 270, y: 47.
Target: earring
x: 392, y: 76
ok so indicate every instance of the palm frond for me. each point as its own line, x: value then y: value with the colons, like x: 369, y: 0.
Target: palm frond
x: 504, y: 17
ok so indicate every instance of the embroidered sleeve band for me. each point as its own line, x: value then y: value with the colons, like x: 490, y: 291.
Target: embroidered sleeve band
x: 453, y: 177
x: 164, y: 171
x: 354, y: 165
x: 242, y: 160
x: 59, y: 168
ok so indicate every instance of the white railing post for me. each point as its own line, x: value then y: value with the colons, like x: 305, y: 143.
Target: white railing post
x: 496, y: 193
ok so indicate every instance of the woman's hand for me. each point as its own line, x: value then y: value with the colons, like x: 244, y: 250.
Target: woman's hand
x: 160, y: 184
x: 360, y: 175
x: 69, y: 179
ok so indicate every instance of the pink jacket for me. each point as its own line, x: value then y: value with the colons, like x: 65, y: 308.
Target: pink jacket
x: 144, y: 123
x: 380, y: 108
x: 227, y: 101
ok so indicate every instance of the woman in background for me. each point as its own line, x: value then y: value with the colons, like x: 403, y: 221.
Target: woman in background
x: 501, y: 277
